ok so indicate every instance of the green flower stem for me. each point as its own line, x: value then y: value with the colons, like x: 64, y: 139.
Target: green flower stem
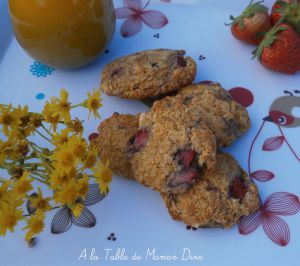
x: 44, y: 137
x: 40, y: 156
x: 38, y: 179
x: 78, y: 105
x: 30, y: 169
x: 53, y: 208
x: 7, y: 165
x: 34, y: 146
x: 39, y: 174
x: 32, y: 164
x: 48, y: 131
x: 2, y: 180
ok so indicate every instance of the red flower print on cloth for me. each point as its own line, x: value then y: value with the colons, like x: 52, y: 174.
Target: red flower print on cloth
x: 135, y: 14
x: 273, y: 144
x: 262, y: 175
x: 279, y: 203
x: 242, y: 96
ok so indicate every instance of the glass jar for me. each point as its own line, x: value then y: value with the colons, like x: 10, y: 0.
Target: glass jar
x: 63, y: 33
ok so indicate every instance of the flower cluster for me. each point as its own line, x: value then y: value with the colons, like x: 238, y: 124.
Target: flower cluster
x: 66, y: 168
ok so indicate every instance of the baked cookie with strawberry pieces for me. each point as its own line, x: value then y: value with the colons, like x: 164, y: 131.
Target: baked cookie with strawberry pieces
x: 118, y: 141
x: 250, y: 26
x: 148, y: 74
x: 219, y: 199
x: 224, y: 116
x: 176, y: 151
x: 210, y: 104
x: 280, y: 49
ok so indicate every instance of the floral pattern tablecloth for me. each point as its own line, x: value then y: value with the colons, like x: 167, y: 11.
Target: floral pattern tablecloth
x: 134, y: 218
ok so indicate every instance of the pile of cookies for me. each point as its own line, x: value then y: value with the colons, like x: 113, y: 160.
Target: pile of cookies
x: 174, y: 147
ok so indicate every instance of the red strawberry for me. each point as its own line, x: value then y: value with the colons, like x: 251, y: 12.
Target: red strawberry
x: 238, y: 188
x: 278, y: 10
x: 251, y: 25
x: 186, y: 157
x: 141, y: 139
x: 186, y: 176
x: 290, y: 9
x: 280, y: 49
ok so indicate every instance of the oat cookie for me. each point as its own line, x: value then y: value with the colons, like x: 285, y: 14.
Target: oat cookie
x: 148, y: 74
x: 226, y: 118
x: 218, y: 199
x: 116, y: 144
x: 176, y: 150
x: 209, y: 104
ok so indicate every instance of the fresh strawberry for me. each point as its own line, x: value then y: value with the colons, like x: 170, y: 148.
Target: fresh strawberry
x: 290, y: 9
x: 280, y: 49
x: 252, y: 24
x: 278, y: 9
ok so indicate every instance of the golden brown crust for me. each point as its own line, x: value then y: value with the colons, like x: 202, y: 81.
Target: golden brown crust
x: 209, y: 202
x: 209, y: 104
x: 171, y: 131
x: 223, y: 115
x: 149, y: 73
x: 115, y: 134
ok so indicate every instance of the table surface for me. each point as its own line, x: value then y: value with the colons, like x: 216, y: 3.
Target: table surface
x: 135, y: 214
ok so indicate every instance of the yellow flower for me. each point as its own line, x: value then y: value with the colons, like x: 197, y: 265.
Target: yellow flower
x: 91, y: 158
x: 59, y: 139
x: 40, y: 203
x: 10, y: 119
x: 22, y: 148
x: 5, y: 194
x: 67, y: 194
x: 83, y: 186
x: 31, y: 122
x: 8, y: 149
x: 8, y: 197
x: 76, y: 126
x: 35, y: 225
x: 9, y: 218
x: 77, y: 209
x: 77, y: 146
x: 103, y: 175
x: 93, y: 103
x: 63, y: 106
x: 50, y: 114
x: 60, y: 177
x: 64, y: 158
x: 3, y: 147
x: 23, y: 185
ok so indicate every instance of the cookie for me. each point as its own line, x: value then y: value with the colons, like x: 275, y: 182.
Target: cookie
x: 226, y: 118
x: 148, y: 74
x: 175, y: 150
x: 212, y: 105
x: 219, y: 199
x: 116, y: 142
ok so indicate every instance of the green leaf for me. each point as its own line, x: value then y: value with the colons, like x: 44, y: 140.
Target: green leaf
x: 282, y: 3
x: 280, y: 10
x: 261, y: 34
x: 242, y: 24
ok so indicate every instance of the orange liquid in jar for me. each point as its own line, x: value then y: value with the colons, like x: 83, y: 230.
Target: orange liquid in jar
x: 63, y: 33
